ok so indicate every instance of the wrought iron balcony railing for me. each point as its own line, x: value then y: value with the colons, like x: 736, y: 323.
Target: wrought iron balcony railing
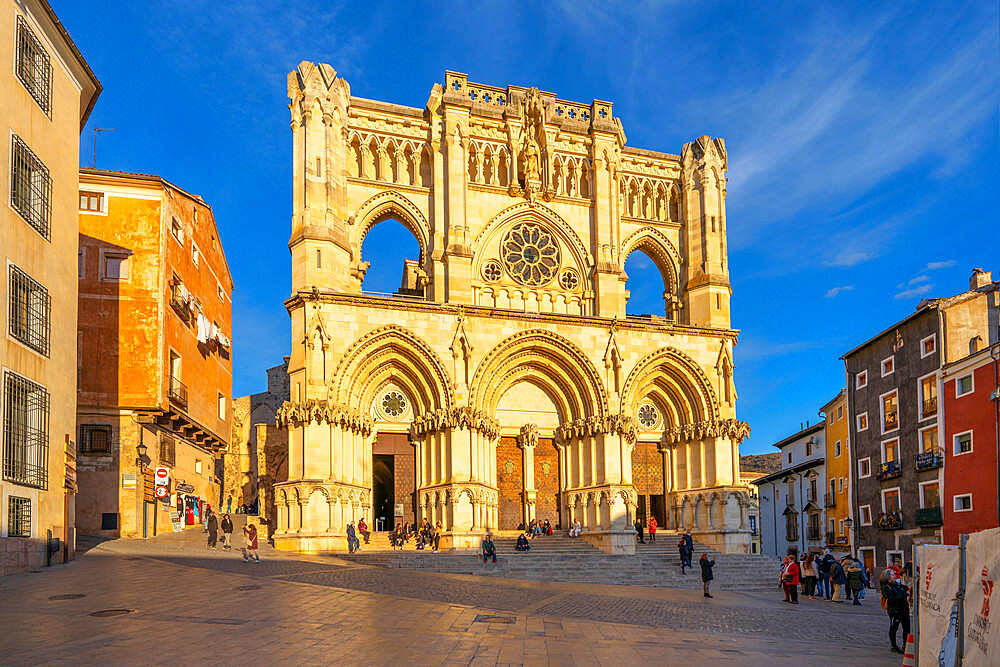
x: 929, y: 460
x: 890, y: 520
x: 928, y: 516
x: 928, y: 407
x: 178, y: 392
x: 891, y: 421
x: 889, y: 470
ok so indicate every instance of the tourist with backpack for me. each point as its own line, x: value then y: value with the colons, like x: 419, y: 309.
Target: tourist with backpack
x: 896, y: 602
x: 825, y: 587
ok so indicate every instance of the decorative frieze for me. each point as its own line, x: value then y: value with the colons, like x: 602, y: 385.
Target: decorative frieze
x: 617, y: 424
x: 457, y: 418
x: 303, y: 413
x: 733, y: 429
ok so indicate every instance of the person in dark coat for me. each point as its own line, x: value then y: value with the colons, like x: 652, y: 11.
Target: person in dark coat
x: 213, y: 530
x: 897, y: 607
x: 682, y: 548
x: 227, y: 531
x: 706, y: 573
x: 489, y: 549
x: 352, y: 539
x: 638, y: 529
x: 689, y: 541
x: 522, y: 543
x: 838, y: 579
x: 825, y: 575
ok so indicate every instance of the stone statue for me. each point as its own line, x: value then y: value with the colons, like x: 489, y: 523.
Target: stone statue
x: 530, y: 153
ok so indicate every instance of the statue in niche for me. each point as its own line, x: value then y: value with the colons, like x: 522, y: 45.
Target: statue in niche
x: 533, y: 152
x: 532, y: 170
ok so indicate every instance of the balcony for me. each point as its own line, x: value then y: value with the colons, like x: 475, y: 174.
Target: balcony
x: 179, y: 299
x: 888, y: 471
x: 928, y: 516
x: 928, y: 407
x: 890, y: 520
x: 178, y: 392
x: 929, y: 460
x: 791, y: 536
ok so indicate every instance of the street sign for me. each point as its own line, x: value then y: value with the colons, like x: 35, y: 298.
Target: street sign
x: 148, y: 485
x: 161, y: 492
x: 175, y: 521
x: 128, y: 480
x: 162, y: 476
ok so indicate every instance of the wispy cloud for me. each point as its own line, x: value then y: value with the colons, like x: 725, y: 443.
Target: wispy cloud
x: 934, y: 266
x: 753, y: 349
x: 837, y: 290
x: 850, y: 258
x: 914, y: 292
x: 913, y: 281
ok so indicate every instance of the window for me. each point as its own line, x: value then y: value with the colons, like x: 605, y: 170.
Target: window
x: 832, y: 523
x: 890, y: 412
x: 197, y: 467
x: 841, y: 484
x: 26, y: 432
x: 888, y: 366
x: 890, y: 451
x: 177, y: 231
x: 861, y: 380
x: 195, y: 254
x: 33, y: 66
x: 863, y: 421
x: 890, y: 500
x: 319, y: 258
x: 866, y: 515
x: 30, y: 187
x: 30, y: 307
x: 221, y: 292
x: 841, y: 527
x: 928, y: 439
x: 168, y: 452
x: 92, y: 202
x: 963, y: 503
x: 81, y: 264
x: 222, y: 407
x: 813, y: 491
x: 928, y: 346
x: 109, y: 521
x: 753, y: 524
x: 831, y: 417
x: 963, y: 443
x: 840, y: 412
x: 865, y: 468
x: 809, y: 447
x: 833, y: 487
x: 928, y: 397
x: 95, y: 438
x: 894, y: 558
x: 929, y: 496
x: 18, y: 517
x: 963, y: 385
x: 836, y: 448
x: 116, y: 267
x: 789, y: 455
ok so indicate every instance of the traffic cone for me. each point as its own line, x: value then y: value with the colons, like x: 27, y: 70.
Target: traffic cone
x: 908, y: 653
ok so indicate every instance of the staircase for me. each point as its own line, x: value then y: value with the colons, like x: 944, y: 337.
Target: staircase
x: 560, y: 558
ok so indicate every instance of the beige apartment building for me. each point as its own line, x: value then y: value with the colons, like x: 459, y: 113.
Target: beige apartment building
x: 47, y: 91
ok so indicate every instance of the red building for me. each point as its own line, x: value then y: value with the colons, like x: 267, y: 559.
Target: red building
x: 971, y: 401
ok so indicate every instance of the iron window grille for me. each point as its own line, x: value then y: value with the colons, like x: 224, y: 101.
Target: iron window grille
x: 33, y: 66
x: 30, y: 308
x: 26, y: 432
x: 30, y: 187
x: 18, y: 517
x: 168, y: 452
x: 95, y: 438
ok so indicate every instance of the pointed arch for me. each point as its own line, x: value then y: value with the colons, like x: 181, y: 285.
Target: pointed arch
x: 548, y: 360
x: 659, y: 248
x: 679, y: 383
x: 525, y: 211
x: 391, y: 204
x: 392, y: 353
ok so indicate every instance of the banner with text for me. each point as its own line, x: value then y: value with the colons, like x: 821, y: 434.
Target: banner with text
x: 936, y: 592
x: 982, y: 571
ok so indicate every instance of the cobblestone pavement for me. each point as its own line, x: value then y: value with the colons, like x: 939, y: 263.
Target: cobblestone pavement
x: 190, y: 605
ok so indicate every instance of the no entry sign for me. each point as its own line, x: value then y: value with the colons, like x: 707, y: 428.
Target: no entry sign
x: 162, y: 476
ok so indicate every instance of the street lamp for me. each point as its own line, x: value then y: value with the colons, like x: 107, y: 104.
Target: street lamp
x: 141, y: 460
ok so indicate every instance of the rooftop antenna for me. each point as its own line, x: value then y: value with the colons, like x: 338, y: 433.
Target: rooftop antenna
x: 96, y: 131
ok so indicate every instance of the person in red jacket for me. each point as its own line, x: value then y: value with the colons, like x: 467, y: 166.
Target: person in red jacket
x: 791, y: 581
x: 652, y: 529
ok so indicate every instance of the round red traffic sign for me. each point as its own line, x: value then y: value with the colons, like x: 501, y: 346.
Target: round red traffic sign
x: 161, y: 492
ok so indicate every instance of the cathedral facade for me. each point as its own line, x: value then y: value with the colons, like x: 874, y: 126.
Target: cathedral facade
x: 504, y: 381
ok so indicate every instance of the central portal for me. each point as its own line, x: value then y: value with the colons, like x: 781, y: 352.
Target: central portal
x: 393, y: 480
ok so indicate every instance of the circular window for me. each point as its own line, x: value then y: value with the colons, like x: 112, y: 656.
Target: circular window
x: 531, y: 254
x: 569, y: 279
x: 492, y: 271
x: 393, y: 404
x: 648, y: 416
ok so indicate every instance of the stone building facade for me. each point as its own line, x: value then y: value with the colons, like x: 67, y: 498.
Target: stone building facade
x: 506, y: 362
x: 47, y: 91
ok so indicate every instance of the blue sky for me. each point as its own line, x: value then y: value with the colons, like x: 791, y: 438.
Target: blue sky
x: 863, y: 143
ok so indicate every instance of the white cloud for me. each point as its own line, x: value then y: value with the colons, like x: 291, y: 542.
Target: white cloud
x: 752, y: 349
x: 934, y: 266
x: 850, y: 258
x: 837, y: 290
x: 914, y: 291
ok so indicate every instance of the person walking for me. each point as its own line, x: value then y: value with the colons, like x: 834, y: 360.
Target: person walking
x: 690, y: 547
x: 855, y: 579
x: 792, y: 573
x: 251, y: 549
x: 229, y: 505
x: 706, y: 573
x: 638, y: 530
x: 826, y: 586
x: 838, y: 578
x: 489, y: 549
x: 652, y: 529
x: 227, y: 532
x: 212, y: 525
x: 352, y: 539
x: 682, y: 549
x: 897, y: 606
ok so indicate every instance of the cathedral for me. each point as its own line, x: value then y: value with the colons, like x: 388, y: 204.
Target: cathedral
x: 504, y: 382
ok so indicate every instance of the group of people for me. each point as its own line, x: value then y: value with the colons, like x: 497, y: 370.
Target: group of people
x: 425, y: 535
x: 824, y: 577
x: 685, y: 547
x: 650, y: 527
x: 538, y: 527
x: 212, y: 526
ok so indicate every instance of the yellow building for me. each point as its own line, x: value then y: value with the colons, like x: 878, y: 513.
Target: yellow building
x: 46, y: 93
x: 838, y: 474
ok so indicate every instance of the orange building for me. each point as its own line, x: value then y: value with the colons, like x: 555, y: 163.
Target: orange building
x: 838, y: 475
x: 155, y: 365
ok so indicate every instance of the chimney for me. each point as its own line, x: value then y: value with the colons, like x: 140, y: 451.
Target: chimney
x: 979, y: 279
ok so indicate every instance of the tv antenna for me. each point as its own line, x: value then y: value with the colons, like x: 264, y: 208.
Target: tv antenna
x: 96, y: 131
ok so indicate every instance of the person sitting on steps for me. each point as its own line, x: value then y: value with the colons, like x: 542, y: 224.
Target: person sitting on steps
x: 522, y: 543
x: 489, y: 549
x: 576, y: 529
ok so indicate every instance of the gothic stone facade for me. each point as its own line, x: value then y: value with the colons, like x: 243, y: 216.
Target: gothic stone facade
x: 506, y: 364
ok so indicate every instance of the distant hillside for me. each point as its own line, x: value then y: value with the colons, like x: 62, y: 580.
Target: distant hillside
x: 761, y: 463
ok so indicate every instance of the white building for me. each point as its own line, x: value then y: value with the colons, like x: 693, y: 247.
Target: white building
x: 792, y: 500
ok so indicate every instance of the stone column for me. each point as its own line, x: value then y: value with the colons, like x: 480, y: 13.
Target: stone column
x: 527, y: 439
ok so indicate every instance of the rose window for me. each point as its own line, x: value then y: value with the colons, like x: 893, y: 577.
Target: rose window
x: 648, y: 416
x: 531, y: 254
x: 393, y: 404
x: 492, y: 271
x: 569, y: 279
